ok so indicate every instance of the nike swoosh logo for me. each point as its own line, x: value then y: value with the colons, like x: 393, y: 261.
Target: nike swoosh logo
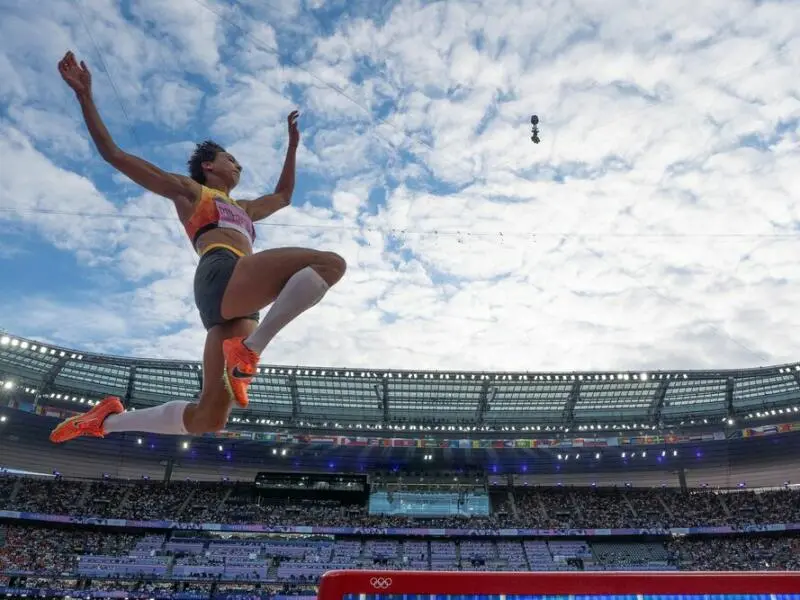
x: 239, y: 375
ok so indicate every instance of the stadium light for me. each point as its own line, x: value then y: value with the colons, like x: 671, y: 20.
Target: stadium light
x: 5, y: 340
x: 8, y: 385
x: 185, y: 445
x: 139, y: 441
x: 220, y: 448
x: 3, y: 419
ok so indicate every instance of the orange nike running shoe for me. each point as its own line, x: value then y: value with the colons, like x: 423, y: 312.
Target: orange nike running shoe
x: 240, y: 368
x: 89, y: 423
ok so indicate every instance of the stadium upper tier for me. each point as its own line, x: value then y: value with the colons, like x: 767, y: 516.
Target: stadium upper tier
x: 432, y: 401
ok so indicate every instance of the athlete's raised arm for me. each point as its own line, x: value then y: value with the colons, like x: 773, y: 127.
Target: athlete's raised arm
x: 262, y: 207
x: 178, y: 188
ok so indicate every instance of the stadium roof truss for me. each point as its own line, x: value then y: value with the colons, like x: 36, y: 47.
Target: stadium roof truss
x: 421, y: 401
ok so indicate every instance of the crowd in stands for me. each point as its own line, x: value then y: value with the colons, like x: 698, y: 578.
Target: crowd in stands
x: 53, y: 551
x: 114, y: 556
x: 739, y: 554
x: 540, y: 508
x: 149, y: 590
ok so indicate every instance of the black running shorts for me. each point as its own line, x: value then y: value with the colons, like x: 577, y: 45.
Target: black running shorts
x: 210, y: 281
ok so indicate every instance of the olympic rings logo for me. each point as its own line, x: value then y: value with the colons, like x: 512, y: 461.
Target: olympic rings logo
x: 380, y: 583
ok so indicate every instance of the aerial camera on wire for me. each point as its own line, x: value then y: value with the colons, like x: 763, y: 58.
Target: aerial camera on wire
x: 535, y: 131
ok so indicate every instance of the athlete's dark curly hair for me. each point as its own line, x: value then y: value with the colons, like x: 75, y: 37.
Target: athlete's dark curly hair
x: 205, y: 152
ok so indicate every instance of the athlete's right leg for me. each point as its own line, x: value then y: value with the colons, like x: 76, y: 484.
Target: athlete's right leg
x: 258, y: 280
x: 295, y: 279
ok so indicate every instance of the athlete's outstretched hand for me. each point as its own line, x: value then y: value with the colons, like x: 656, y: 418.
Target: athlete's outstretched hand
x: 77, y: 76
x: 294, y: 132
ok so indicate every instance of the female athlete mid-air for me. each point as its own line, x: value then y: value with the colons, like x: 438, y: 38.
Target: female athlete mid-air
x: 231, y: 283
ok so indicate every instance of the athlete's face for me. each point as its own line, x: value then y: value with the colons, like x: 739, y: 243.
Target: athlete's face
x: 226, y: 168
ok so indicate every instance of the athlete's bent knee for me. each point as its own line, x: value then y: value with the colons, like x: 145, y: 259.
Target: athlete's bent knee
x: 216, y: 422
x: 207, y: 421
x: 335, y: 264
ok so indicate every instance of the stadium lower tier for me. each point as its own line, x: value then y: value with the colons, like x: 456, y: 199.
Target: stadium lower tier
x: 27, y: 553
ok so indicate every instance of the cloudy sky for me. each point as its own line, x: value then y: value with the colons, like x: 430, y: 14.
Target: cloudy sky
x: 654, y: 226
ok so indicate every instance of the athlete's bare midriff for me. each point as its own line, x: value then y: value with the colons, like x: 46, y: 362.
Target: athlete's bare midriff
x: 227, y: 237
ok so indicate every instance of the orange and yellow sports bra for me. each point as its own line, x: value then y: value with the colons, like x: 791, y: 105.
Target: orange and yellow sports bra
x: 216, y: 209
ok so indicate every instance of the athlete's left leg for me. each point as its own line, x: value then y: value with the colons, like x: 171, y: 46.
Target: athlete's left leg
x: 176, y: 417
x: 211, y: 411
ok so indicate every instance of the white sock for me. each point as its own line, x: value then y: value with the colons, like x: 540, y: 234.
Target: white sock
x: 166, y: 418
x: 303, y: 290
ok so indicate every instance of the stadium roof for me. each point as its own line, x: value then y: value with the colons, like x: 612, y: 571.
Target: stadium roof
x: 371, y: 399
